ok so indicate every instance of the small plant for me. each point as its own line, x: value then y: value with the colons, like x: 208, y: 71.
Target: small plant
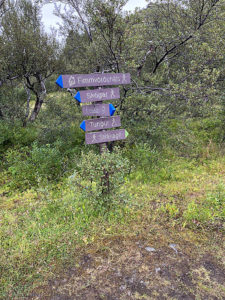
x: 210, y: 211
x: 170, y: 209
x: 196, y: 214
x: 99, y: 177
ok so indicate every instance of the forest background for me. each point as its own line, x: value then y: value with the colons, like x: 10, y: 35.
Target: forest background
x: 174, y: 111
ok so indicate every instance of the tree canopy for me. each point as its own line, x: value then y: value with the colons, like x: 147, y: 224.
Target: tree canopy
x: 174, y: 51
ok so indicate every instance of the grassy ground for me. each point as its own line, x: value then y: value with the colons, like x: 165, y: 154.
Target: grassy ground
x: 54, y: 246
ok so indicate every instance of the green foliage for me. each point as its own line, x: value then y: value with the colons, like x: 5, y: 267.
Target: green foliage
x: 100, y: 33
x: 170, y: 209
x: 31, y: 167
x: 41, y: 229
x: 28, y: 55
x: 100, y: 177
x: 207, y: 129
x: 60, y: 120
x: 145, y: 157
x: 15, y: 135
x: 210, y: 211
x: 174, y: 110
x: 195, y: 137
x: 12, y: 102
x: 46, y: 228
x: 222, y: 117
x: 205, y: 212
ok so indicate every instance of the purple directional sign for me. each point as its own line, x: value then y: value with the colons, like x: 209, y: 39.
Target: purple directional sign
x: 97, y: 79
x: 101, y: 110
x: 97, y: 95
x: 105, y: 136
x: 101, y: 123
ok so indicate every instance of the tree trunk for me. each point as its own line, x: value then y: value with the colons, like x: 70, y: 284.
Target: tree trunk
x: 36, y: 109
x: 28, y: 107
x: 1, y: 114
x: 39, y: 99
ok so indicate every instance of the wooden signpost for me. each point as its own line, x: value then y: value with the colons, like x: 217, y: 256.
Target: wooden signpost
x: 100, y: 124
x: 105, y: 136
x: 96, y: 79
x: 102, y: 110
x: 97, y: 95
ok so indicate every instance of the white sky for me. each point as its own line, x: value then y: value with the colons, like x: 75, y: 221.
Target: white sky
x: 49, y: 20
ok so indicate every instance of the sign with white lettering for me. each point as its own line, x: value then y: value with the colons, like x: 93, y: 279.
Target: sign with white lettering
x: 97, y: 95
x: 101, y: 123
x: 96, y: 79
x: 101, y: 110
x: 105, y: 136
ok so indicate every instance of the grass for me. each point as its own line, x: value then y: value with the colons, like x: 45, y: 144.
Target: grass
x: 39, y: 230
x: 43, y: 230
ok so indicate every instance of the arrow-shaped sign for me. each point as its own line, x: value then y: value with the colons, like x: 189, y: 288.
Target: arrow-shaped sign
x: 101, y: 110
x: 105, y: 136
x: 101, y: 123
x: 96, y: 79
x: 97, y: 95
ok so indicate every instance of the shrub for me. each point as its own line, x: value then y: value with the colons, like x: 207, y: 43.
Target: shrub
x: 15, y: 135
x: 30, y: 167
x: 99, y: 177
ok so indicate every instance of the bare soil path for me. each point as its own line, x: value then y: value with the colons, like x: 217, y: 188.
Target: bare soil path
x: 148, y: 266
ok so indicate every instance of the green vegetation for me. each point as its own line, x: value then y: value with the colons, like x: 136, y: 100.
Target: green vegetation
x: 99, y: 178
x: 60, y: 199
x: 47, y: 216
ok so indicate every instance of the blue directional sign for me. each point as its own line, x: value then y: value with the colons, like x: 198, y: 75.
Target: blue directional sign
x: 97, y: 95
x: 96, y: 79
x: 111, y: 109
x: 96, y: 108
x: 100, y: 110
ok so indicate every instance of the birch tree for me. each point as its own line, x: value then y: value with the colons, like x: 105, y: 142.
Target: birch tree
x: 28, y: 55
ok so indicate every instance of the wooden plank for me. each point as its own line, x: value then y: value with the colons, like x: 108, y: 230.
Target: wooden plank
x: 101, y: 123
x: 105, y: 136
x: 101, y: 110
x: 97, y: 95
x: 96, y: 79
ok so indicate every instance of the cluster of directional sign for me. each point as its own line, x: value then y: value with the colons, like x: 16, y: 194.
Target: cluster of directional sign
x: 104, y: 111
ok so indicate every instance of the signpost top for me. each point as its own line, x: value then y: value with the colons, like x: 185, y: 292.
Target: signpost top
x: 96, y: 79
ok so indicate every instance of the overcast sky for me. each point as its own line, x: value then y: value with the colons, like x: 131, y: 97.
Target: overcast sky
x: 50, y: 20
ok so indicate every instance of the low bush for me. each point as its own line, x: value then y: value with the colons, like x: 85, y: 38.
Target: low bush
x: 15, y: 135
x: 99, y: 178
x: 29, y: 167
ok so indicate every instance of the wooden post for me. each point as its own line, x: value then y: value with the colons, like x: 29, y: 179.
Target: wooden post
x: 102, y: 146
x: 105, y: 178
x: 98, y: 80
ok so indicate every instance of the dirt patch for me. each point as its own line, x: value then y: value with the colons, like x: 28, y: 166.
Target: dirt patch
x: 126, y: 270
